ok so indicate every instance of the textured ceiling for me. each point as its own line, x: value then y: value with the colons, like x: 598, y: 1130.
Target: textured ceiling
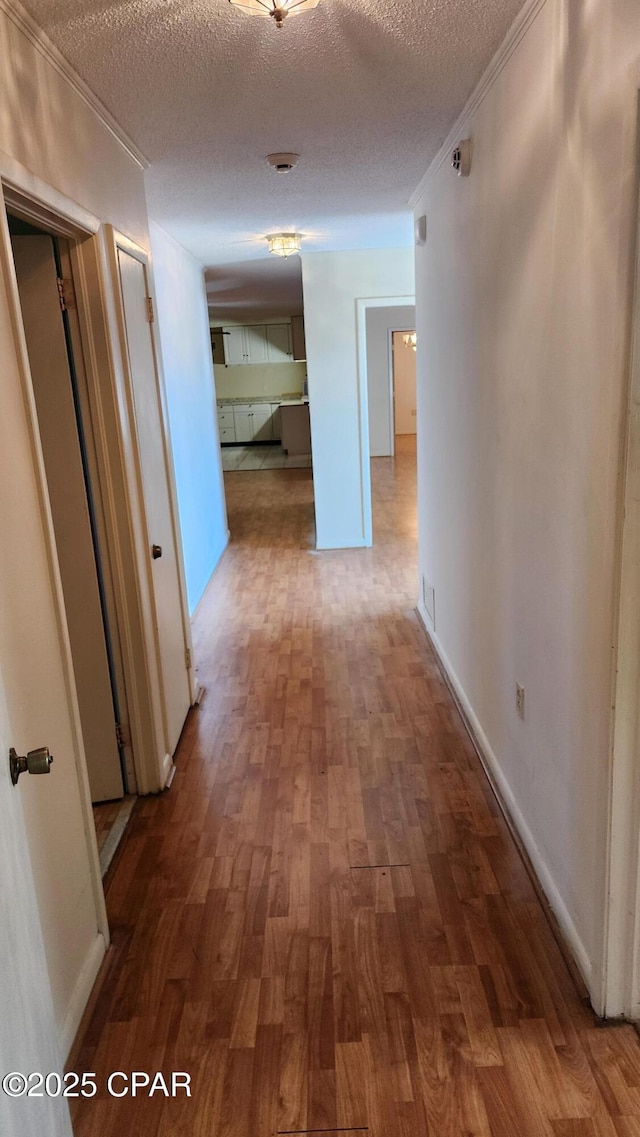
x: 364, y: 90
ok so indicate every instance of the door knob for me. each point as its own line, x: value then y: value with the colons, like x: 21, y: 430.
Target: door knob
x: 156, y: 551
x: 36, y: 762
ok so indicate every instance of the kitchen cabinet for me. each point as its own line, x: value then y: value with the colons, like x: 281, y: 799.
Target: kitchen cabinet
x: 297, y: 337
x: 258, y: 343
x: 249, y: 422
x: 234, y: 345
x: 279, y: 345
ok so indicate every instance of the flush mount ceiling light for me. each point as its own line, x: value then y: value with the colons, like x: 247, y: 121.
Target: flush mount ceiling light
x: 411, y: 340
x: 277, y: 10
x: 284, y: 244
x: 282, y: 163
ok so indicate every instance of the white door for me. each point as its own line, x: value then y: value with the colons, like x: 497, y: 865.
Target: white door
x: 28, y: 1037
x: 234, y: 345
x: 47, y: 841
x: 279, y: 343
x: 256, y: 343
x: 163, y: 553
x: 49, y: 363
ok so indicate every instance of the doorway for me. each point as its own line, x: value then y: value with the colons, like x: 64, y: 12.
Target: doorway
x: 382, y: 321
x: 49, y: 316
x: 403, y: 375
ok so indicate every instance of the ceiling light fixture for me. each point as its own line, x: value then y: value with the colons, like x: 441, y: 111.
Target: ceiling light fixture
x: 411, y: 340
x: 284, y: 244
x: 277, y: 10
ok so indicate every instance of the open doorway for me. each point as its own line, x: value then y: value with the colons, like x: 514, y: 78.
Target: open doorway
x: 50, y: 321
x: 403, y: 374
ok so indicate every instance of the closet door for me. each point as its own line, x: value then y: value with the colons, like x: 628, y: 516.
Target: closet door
x: 161, y: 534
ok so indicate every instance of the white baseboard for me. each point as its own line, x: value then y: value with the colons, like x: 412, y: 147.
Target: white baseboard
x: 510, y: 807
x: 168, y: 770
x: 80, y: 996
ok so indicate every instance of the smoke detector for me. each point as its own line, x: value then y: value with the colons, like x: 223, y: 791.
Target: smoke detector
x: 461, y: 158
x: 282, y: 163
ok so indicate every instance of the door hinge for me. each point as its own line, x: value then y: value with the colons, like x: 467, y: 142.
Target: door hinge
x: 66, y: 295
x: 123, y: 735
x: 150, y: 315
x: 187, y: 658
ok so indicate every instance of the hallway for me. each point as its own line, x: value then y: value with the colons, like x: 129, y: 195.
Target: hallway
x: 325, y: 921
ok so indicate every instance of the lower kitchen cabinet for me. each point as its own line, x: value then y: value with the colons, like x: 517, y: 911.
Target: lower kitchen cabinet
x: 249, y: 422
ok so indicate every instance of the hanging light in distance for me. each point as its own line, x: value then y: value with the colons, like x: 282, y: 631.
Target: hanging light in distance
x: 411, y: 340
x: 284, y: 244
x: 277, y: 10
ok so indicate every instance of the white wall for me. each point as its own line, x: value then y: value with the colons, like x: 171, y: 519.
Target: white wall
x: 183, y: 324
x: 380, y: 323
x: 48, y: 129
x: 523, y: 293
x: 332, y: 285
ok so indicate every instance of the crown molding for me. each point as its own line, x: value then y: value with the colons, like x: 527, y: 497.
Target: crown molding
x: 516, y: 33
x: 40, y: 40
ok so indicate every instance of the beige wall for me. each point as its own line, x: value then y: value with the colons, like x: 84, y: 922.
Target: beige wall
x: 241, y: 380
x: 523, y: 298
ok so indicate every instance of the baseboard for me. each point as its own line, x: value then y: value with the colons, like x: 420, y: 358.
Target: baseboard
x: 81, y: 994
x: 168, y: 771
x: 546, y: 886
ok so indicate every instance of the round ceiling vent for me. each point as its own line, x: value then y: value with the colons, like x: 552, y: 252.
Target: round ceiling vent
x: 282, y: 163
x: 461, y: 158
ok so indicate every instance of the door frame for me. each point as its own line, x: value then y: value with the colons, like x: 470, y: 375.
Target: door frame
x: 617, y: 979
x: 97, y: 310
x: 118, y: 241
x: 363, y: 397
x: 69, y: 225
x: 392, y: 389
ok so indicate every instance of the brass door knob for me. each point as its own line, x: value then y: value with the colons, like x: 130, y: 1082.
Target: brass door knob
x: 36, y: 762
x: 156, y: 551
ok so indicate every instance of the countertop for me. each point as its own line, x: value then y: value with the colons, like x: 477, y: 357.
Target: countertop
x: 231, y: 400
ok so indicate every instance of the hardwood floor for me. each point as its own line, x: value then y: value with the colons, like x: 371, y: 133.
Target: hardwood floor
x: 325, y: 921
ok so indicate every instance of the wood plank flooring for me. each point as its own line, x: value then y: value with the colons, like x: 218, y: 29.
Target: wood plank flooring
x: 325, y: 921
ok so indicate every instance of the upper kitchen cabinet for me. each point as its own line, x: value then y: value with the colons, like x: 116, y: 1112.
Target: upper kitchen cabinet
x: 258, y: 343
x: 279, y: 344
x: 234, y: 345
x: 297, y: 335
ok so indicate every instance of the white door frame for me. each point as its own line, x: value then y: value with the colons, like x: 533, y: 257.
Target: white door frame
x: 115, y: 241
x: 363, y: 398
x: 618, y: 980
x: 72, y: 226
x: 392, y: 388
x: 97, y: 309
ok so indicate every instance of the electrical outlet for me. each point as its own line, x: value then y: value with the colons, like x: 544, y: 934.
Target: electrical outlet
x: 520, y: 701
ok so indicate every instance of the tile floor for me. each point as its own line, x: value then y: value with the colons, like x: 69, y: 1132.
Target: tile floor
x: 262, y: 458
